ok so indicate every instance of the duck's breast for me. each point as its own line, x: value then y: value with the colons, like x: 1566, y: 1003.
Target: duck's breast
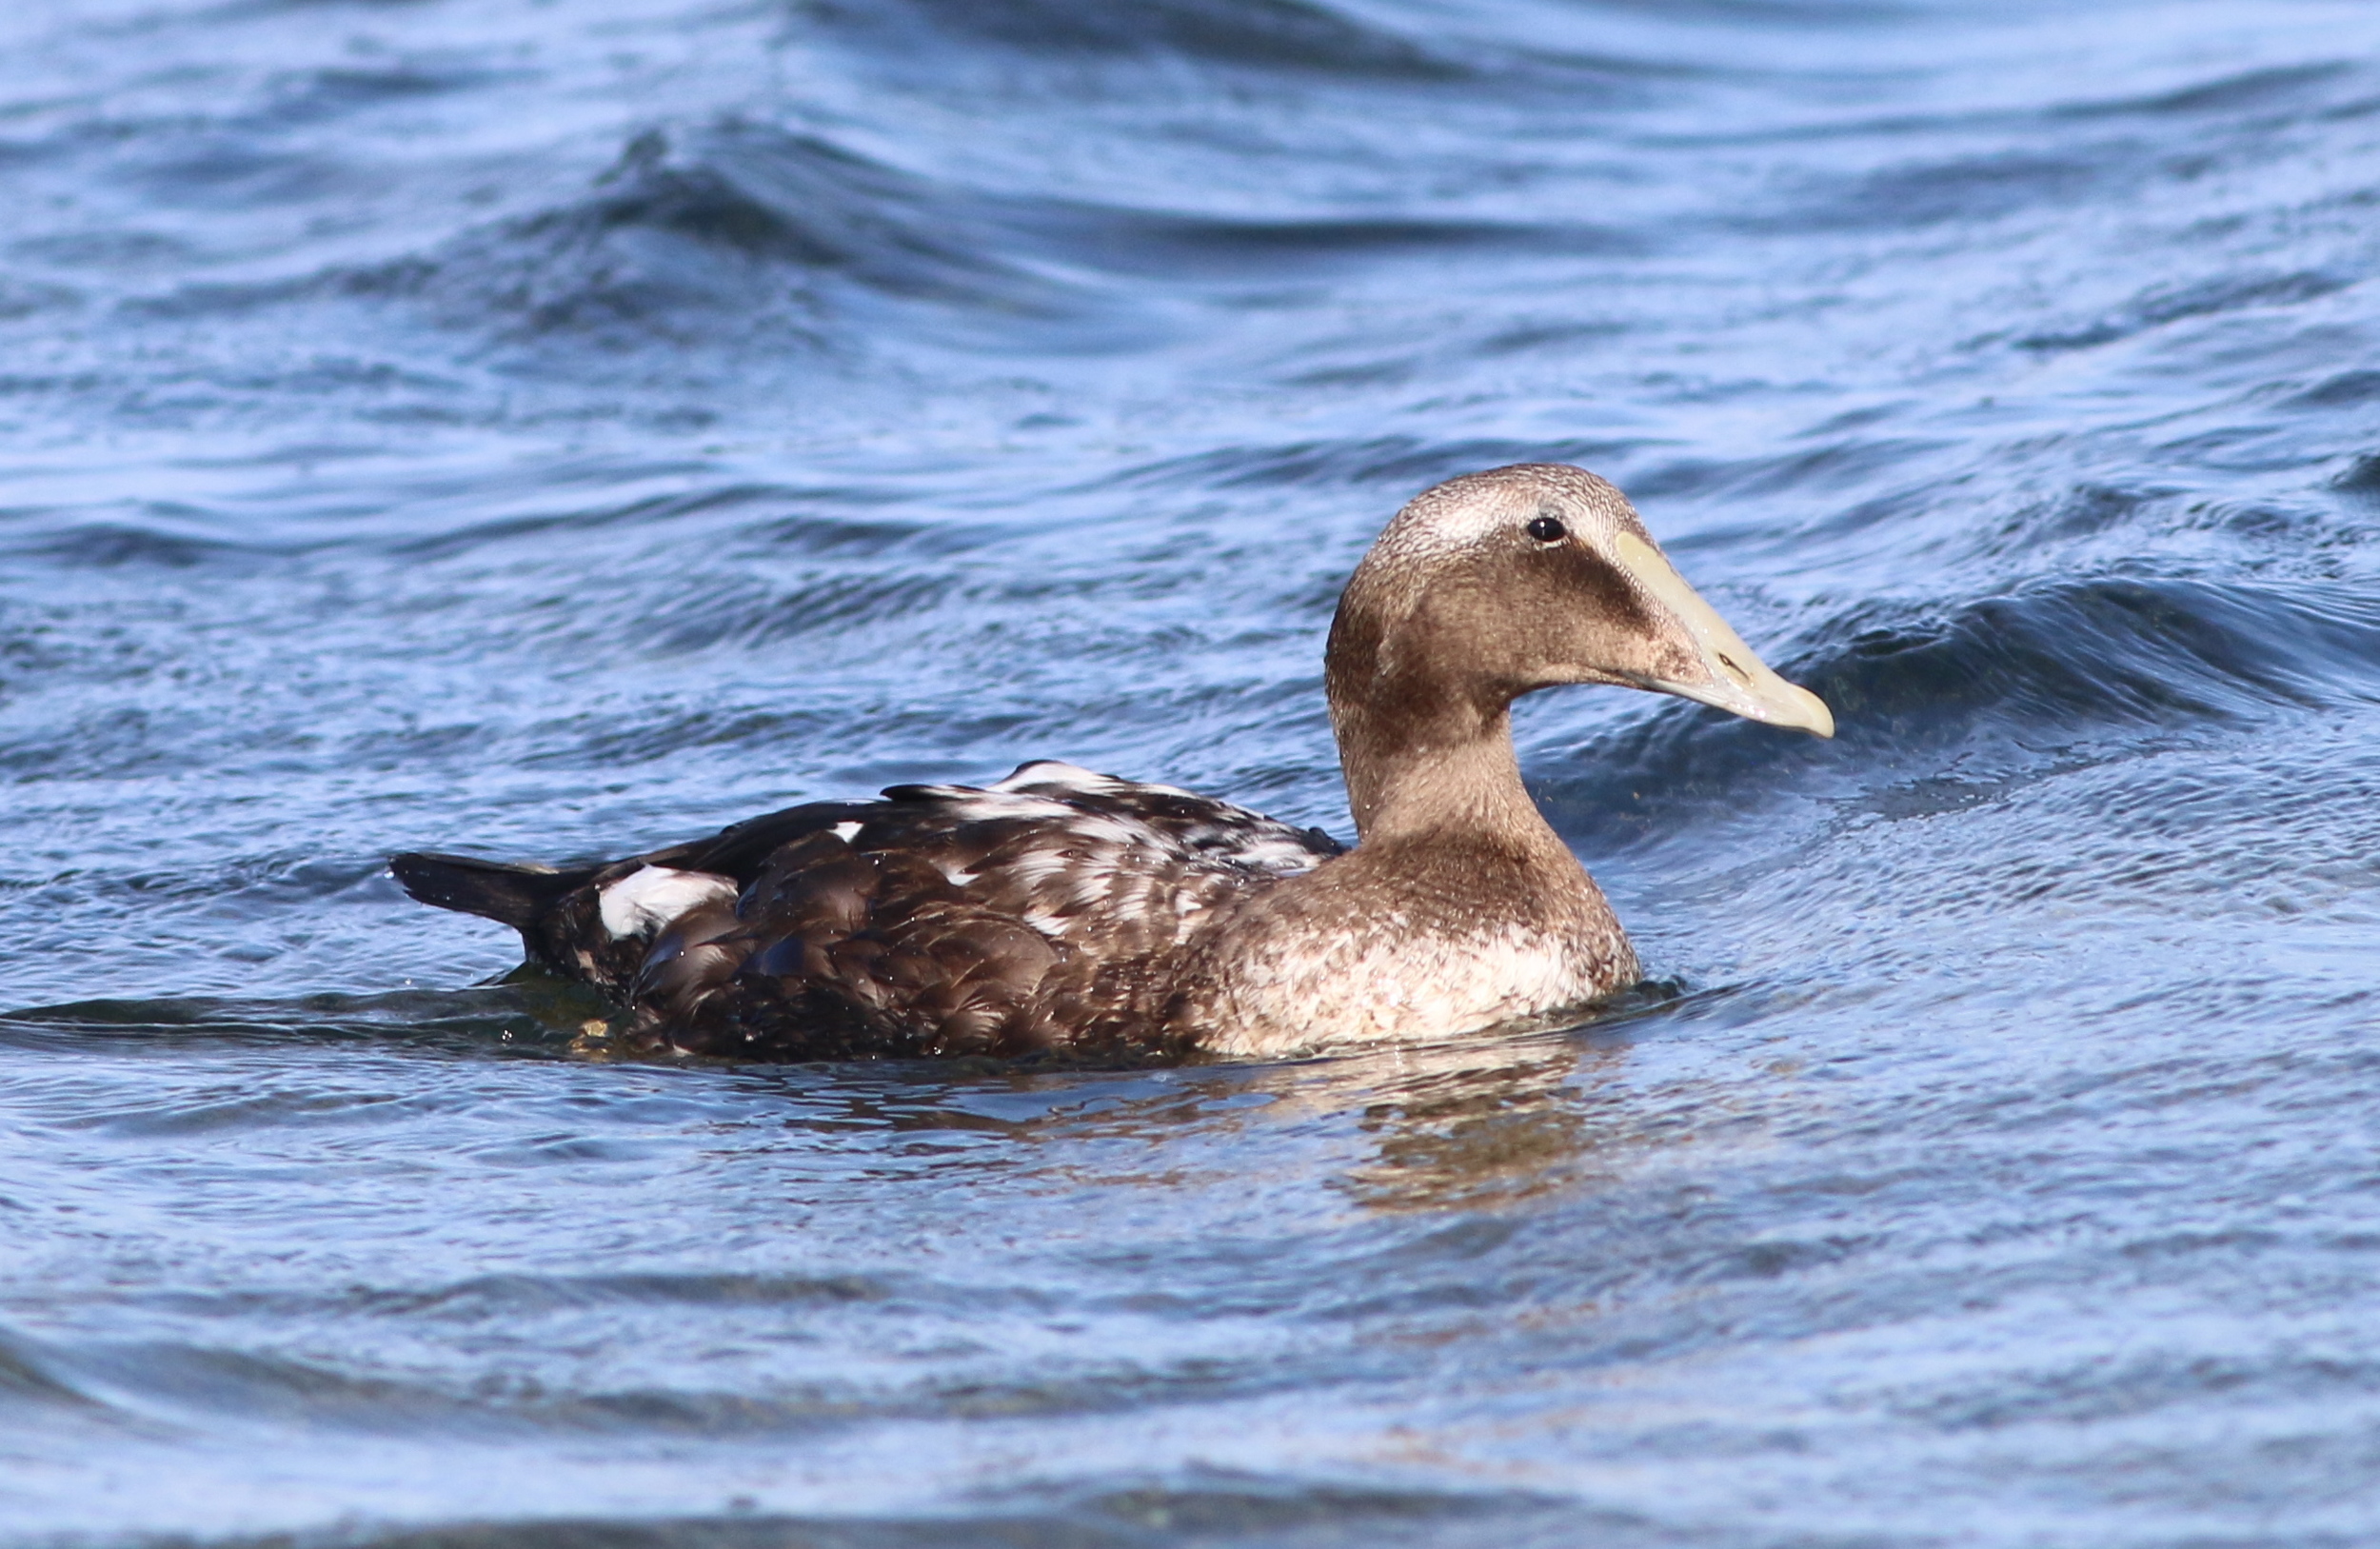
x: 1369, y: 950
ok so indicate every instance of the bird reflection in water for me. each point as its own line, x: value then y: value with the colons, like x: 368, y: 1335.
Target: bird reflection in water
x: 1475, y: 1124
x: 1487, y: 1122
x: 1480, y: 1127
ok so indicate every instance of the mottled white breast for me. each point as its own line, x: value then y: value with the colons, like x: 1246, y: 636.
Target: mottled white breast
x: 1286, y: 997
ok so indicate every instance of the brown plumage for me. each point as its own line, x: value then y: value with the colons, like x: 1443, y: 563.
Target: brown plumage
x: 1063, y: 908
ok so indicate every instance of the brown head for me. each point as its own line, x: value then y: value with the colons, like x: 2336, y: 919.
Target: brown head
x: 1493, y: 585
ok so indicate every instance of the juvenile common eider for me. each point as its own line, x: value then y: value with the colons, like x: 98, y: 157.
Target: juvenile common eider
x: 1058, y: 908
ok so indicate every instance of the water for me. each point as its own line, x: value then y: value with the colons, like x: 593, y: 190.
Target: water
x: 556, y: 428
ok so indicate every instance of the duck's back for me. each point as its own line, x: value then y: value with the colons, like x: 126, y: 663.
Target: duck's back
x: 1053, y: 907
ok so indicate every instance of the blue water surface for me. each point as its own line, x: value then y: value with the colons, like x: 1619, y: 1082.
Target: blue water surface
x: 552, y: 427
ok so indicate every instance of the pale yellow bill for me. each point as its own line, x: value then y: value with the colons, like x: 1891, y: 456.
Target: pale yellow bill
x: 1740, y: 681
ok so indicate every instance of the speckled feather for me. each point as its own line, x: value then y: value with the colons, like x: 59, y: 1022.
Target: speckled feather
x: 939, y: 919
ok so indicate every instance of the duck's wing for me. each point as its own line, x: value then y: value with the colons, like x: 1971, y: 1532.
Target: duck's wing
x: 955, y: 919
x: 939, y: 919
x: 1077, y: 854
x: 1183, y: 821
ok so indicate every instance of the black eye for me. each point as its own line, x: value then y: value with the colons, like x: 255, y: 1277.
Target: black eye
x: 1545, y: 529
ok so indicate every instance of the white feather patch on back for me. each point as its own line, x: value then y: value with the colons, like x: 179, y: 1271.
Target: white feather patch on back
x: 650, y: 897
x: 1282, y: 857
x: 1057, y: 774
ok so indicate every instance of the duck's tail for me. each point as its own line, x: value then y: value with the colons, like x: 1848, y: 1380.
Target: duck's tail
x: 516, y: 895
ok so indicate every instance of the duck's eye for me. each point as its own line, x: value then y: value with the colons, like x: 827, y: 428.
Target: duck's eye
x: 1547, y: 529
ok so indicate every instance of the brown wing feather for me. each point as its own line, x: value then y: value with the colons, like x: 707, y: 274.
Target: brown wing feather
x: 835, y: 953
x: 940, y: 920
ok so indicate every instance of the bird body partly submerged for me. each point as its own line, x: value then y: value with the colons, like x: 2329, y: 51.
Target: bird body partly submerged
x: 1059, y: 908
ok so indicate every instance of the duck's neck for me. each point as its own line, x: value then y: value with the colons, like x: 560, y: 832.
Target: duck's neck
x: 1424, y: 738
x: 1450, y: 773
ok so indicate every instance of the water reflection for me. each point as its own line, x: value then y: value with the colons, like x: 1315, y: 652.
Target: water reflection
x: 1481, y: 1124
x: 1449, y: 1132
x: 1478, y: 1123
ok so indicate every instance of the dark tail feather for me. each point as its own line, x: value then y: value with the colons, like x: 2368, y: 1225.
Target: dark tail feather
x: 516, y: 895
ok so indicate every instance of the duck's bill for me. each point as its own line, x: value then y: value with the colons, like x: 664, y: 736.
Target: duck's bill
x: 1736, y: 680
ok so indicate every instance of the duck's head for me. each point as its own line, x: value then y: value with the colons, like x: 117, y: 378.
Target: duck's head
x: 1493, y: 585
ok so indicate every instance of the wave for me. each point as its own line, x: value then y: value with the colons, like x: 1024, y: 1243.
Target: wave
x: 719, y: 236
x: 1969, y: 189
x: 1587, y: 66
x: 1405, y: 463
x: 1266, y: 34
x: 715, y: 237
x: 748, y: 237
x: 2033, y: 673
x: 29, y: 1380
x: 2101, y: 650
x: 109, y: 546
x: 533, y: 1016
x: 2211, y: 297
x: 2255, y: 89
x: 2055, y: 158
x: 1202, y: 1505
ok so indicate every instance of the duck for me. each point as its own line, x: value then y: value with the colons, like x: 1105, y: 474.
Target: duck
x: 1061, y: 911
